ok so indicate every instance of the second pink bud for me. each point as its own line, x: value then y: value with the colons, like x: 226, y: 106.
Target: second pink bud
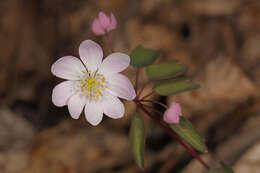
x: 103, y: 23
x: 171, y: 115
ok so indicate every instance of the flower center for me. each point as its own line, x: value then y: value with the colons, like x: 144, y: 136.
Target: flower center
x: 92, y: 85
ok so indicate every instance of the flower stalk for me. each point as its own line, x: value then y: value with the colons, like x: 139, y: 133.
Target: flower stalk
x: 154, y: 101
x: 142, y: 89
x: 109, y: 43
x: 148, y: 95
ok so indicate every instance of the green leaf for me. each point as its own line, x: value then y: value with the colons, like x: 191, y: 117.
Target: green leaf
x: 173, y: 87
x: 141, y: 57
x: 164, y: 70
x: 223, y: 169
x: 137, y: 136
x: 185, y: 130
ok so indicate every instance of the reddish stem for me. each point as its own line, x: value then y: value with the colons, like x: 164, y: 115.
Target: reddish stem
x: 173, y: 135
x: 153, y: 109
x: 156, y: 102
x: 148, y: 95
x: 109, y: 42
x: 145, y: 85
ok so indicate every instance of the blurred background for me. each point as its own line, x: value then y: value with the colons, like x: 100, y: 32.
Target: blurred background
x: 219, y: 40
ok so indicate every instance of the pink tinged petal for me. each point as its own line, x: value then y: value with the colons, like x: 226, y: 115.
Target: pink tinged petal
x: 171, y: 119
x: 93, y: 113
x: 68, y: 67
x: 103, y: 20
x: 176, y: 106
x: 172, y: 114
x: 113, y: 22
x: 97, y: 28
x: 119, y: 85
x: 91, y: 54
x: 114, y: 63
x: 76, y: 105
x: 61, y: 93
x: 113, y: 107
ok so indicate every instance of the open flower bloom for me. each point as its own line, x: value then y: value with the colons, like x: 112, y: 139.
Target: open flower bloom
x: 93, y: 84
x: 171, y: 115
x: 103, y: 23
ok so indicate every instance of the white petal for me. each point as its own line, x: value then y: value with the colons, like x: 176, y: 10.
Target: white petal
x: 61, y: 93
x: 114, y: 63
x: 113, y: 107
x: 119, y: 85
x: 93, y: 113
x: 76, y: 105
x: 68, y: 67
x: 91, y: 54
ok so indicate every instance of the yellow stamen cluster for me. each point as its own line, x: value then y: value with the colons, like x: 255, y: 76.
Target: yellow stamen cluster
x: 92, y: 85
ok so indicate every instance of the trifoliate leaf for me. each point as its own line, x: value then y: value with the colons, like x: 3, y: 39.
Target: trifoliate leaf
x: 173, y: 87
x: 186, y: 131
x: 164, y: 70
x: 137, y: 136
x: 141, y: 57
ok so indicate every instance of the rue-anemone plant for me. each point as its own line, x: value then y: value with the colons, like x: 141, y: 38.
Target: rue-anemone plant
x: 97, y: 86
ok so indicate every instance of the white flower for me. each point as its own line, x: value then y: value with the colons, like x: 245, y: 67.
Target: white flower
x: 93, y: 84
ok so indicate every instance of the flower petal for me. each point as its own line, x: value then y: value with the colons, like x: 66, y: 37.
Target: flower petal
x: 91, y: 54
x: 103, y: 20
x: 172, y: 114
x: 113, y: 107
x: 97, y: 28
x: 76, y: 105
x: 176, y: 107
x: 114, y: 63
x: 68, y: 67
x: 93, y: 113
x: 171, y: 119
x: 61, y: 93
x: 119, y: 85
x: 113, y: 22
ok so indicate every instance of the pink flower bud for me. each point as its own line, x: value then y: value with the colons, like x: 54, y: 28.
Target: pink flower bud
x: 103, y: 23
x: 171, y: 115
